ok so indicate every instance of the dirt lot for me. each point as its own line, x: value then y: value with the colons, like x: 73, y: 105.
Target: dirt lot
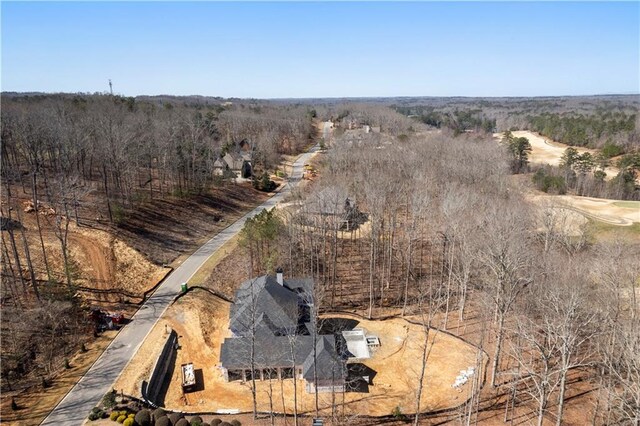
x: 201, y: 320
x: 110, y: 271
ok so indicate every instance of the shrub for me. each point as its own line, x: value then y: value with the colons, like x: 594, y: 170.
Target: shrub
x: 66, y: 364
x: 174, y: 417
x: 182, y: 422
x: 196, y: 421
x: 610, y: 149
x: 96, y: 413
x: 236, y: 423
x: 143, y: 418
x: 549, y: 183
x: 157, y: 413
x: 129, y: 422
x: 216, y: 422
x: 397, y: 414
x: 121, y: 419
x: 109, y: 399
x: 118, y: 213
x: 114, y: 416
x: 224, y: 424
x: 163, y: 421
x: 264, y: 183
x: 14, y: 404
x: 599, y: 175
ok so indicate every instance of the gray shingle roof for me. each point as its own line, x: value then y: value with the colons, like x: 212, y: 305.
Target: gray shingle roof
x: 329, y: 366
x: 264, y: 300
x: 271, y: 352
x: 234, y: 160
x: 274, y: 352
x: 274, y: 309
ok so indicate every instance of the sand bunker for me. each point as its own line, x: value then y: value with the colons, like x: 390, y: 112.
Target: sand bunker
x: 546, y: 151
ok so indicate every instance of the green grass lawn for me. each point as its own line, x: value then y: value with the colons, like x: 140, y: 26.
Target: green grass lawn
x: 627, y: 204
x: 600, y: 230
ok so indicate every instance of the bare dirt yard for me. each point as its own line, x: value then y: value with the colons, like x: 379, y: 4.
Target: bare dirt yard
x: 201, y: 321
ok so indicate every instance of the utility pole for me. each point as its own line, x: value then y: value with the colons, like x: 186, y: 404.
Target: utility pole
x: 110, y: 87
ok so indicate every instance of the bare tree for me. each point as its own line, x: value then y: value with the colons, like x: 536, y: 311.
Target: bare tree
x: 506, y: 255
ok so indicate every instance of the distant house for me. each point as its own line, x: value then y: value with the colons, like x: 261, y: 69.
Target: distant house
x: 234, y: 160
x: 272, y: 319
x: 239, y: 163
x: 334, y: 208
x: 219, y: 166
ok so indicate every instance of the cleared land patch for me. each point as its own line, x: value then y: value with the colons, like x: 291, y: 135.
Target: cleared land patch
x: 201, y: 321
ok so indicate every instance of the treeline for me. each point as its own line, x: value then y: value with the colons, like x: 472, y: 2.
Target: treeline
x: 132, y: 150
x: 448, y: 239
x: 608, y: 122
x: 606, y: 130
x: 457, y: 120
x: 93, y: 160
x: 585, y: 175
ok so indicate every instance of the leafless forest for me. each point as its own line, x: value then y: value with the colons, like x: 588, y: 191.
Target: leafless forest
x: 141, y: 170
x: 420, y: 219
x: 450, y: 239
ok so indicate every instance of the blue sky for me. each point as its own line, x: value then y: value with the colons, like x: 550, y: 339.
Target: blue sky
x: 273, y: 50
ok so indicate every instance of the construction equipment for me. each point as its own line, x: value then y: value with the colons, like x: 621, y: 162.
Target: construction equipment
x: 188, y: 378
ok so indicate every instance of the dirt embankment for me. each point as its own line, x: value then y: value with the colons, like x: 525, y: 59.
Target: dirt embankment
x: 113, y: 266
x: 104, y: 268
x: 163, y: 230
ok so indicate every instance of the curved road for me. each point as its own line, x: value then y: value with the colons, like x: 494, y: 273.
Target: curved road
x: 88, y: 392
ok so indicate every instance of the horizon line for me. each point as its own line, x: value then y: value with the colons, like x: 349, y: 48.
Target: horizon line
x: 321, y: 97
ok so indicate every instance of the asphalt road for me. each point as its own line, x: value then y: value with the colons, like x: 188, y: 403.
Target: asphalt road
x: 88, y: 392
